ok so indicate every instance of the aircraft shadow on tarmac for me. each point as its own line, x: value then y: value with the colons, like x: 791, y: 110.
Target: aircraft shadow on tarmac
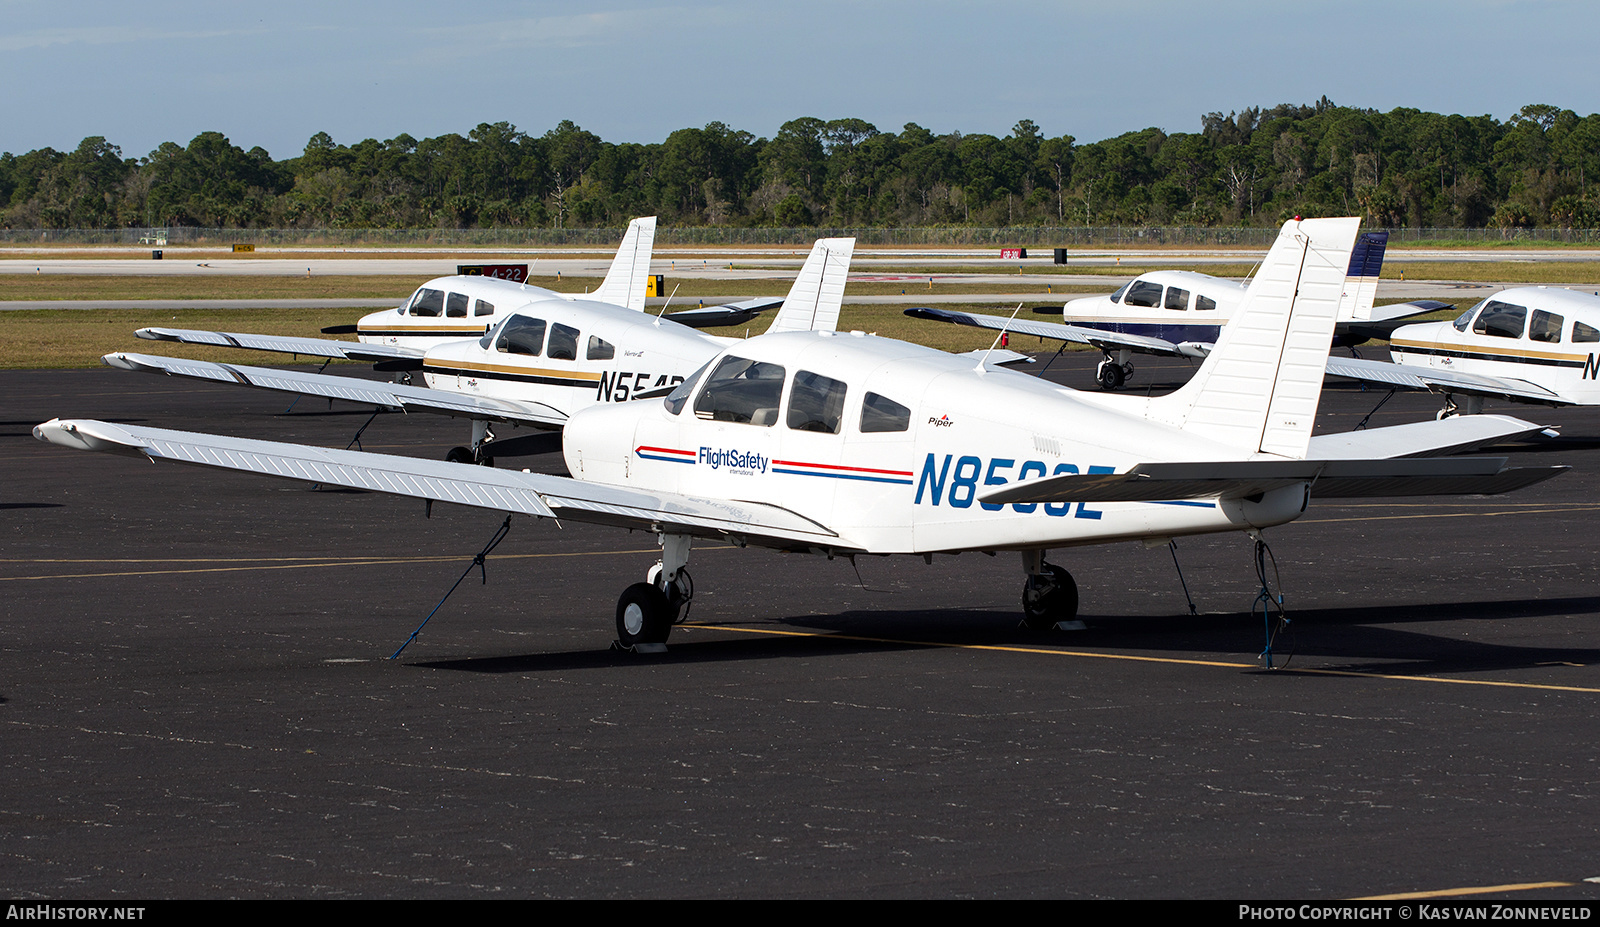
x: 1359, y: 635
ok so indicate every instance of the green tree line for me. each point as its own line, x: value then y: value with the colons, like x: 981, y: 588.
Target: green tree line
x: 1255, y: 167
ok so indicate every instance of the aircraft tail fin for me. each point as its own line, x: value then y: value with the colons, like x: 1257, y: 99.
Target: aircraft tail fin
x: 625, y: 281
x: 1258, y: 390
x: 1361, y: 279
x: 818, y: 292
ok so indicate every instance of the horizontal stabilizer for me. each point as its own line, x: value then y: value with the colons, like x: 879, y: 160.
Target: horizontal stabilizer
x: 736, y: 313
x: 350, y: 389
x: 283, y: 344
x: 1158, y: 482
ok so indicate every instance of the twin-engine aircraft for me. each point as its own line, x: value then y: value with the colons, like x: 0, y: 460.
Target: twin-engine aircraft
x: 546, y: 357
x: 845, y: 444
x: 1180, y: 313
x: 1527, y: 344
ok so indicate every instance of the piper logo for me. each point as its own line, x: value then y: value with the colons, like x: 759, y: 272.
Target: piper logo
x: 942, y: 421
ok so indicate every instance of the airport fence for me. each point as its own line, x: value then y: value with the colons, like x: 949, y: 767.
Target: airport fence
x: 1043, y: 237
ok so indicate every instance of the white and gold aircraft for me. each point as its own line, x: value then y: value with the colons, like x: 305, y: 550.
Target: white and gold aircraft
x: 546, y: 358
x: 844, y: 444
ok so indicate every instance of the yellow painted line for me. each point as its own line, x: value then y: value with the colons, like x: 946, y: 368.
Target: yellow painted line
x: 1134, y: 658
x: 1476, y: 890
x: 300, y: 563
x: 1550, y: 511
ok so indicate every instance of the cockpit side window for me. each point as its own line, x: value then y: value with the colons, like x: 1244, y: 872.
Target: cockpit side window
x: 1545, y: 326
x: 816, y: 403
x: 676, y: 398
x: 521, y: 335
x: 1143, y: 293
x: 1176, y: 299
x: 455, y: 305
x: 880, y: 413
x: 1501, y: 320
x: 426, y: 302
x: 563, y: 343
x: 741, y: 390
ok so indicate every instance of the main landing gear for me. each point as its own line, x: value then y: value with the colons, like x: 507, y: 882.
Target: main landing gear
x: 648, y: 610
x: 1114, y: 370
x: 481, y: 435
x: 1049, y: 596
x: 1468, y: 405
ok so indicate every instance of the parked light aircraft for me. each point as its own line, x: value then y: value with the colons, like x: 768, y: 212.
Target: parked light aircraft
x: 1527, y: 344
x: 845, y: 444
x: 543, y: 360
x: 1180, y: 313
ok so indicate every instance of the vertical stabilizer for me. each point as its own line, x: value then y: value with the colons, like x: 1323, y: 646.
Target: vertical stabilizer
x: 818, y: 292
x: 1361, y: 279
x: 1258, y: 389
x: 625, y: 281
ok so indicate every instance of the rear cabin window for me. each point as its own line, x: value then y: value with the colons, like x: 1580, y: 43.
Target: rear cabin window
x: 1143, y: 293
x: 482, y: 308
x: 427, y: 302
x: 816, y: 403
x: 521, y: 335
x: 880, y: 413
x: 563, y: 343
x: 1582, y: 332
x: 455, y: 305
x: 600, y: 349
x: 1545, y: 326
x: 1501, y: 320
x: 1201, y: 304
x: 1176, y: 298
x: 743, y: 391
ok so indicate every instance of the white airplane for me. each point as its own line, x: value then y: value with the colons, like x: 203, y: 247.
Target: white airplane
x: 1532, y: 344
x: 845, y: 444
x: 541, y: 362
x: 1180, y: 313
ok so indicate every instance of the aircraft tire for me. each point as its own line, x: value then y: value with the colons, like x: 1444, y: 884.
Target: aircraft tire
x: 643, y: 616
x: 459, y: 455
x: 1048, y: 602
x: 1110, y: 376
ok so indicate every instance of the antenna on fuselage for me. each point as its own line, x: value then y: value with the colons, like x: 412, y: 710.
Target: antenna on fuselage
x: 1003, y: 328
x: 667, y: 303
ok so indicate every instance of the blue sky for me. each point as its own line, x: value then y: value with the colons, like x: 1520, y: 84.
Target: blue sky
x: 272, y: 74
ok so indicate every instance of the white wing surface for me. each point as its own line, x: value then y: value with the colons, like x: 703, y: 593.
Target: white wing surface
x: 1443, y: 381
x: 351, y: 389
x: 538, y: 494
x: 283, y: 344
x: 1060, y: 332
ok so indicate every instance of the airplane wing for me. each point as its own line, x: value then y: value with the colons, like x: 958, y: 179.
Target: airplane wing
x: 1423, y: 439
x: 536, y: 494
x: 283, y: 344
x: 1078, y: 334
x: 1329, y: 479
x: 351, y: 389
x: 1443, y: 381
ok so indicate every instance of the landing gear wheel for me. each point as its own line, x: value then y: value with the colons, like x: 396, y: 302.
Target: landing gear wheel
x: 1110, y: 375
x: 679, y: 594
x: 459, y: 455
x: 643, y: 616
x: 1049, y: 599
